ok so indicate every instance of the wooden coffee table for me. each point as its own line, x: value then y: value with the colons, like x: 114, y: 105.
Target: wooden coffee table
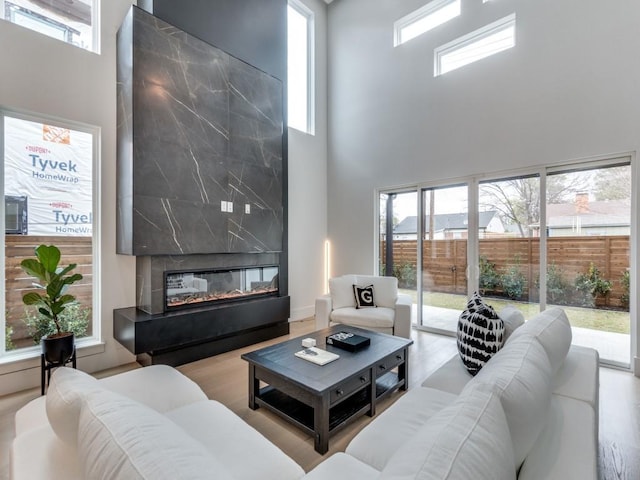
x: 321, y: 400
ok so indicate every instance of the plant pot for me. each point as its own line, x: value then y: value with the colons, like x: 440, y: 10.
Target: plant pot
x: 58, y: 348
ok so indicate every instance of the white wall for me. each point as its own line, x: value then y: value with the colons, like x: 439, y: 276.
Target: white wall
x: 308, y: 188
x: 570, y: 89
x: 44, y: 76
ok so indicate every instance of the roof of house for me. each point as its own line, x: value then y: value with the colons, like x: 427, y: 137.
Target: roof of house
x: 591, y: 214
x: 442, y: 221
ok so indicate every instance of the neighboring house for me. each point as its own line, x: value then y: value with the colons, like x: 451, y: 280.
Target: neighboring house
x: 588, y: 218
x: 448, y: 226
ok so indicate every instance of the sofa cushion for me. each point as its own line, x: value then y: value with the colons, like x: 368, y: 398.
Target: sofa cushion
x: 521, y: 375
x: 160, y: 387
x: 380, y: 317
x: 579, y: 376
x: 553, y: 331
x: 121, y: 438
x: 364, y: 296
x: 480, y: 334
x: 37, y: 454
x: 467, y: 440
x: 228, y: 438
x: 65, y: 395
x: 451, y: 377
x: 512, y: 318
x: 341, y: 465
x: 393, y: 428
x: 567, y: 446
x: 341, y: 290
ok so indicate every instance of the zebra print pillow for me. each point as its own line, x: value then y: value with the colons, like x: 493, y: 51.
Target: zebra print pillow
x: 480, y: 334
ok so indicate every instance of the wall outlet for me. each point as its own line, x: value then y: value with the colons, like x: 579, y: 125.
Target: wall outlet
x: 247, y: 208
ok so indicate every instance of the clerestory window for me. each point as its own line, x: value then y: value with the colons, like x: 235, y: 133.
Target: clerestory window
x: 424, y: 19
x: 73, y: 22
x: 484, y: 42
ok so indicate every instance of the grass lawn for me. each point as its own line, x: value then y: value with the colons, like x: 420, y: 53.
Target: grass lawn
x: 593, y: 318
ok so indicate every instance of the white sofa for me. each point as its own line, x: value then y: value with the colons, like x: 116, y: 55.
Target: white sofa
x: 531, y: 413
x: 151, y: 423
x: 391, y: 315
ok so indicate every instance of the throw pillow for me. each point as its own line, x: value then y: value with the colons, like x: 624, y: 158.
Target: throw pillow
x: 66, y: 393
x: 512, y: 318
x: 480, y: 334
x: 364, y: 296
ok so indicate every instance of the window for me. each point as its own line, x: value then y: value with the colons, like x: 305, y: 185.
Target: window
x: 300, y: 72
x: 560, y: 235
x: 71, y: 22
x: 424, y: 19
x: 482, y: 43
x: 48, y: 185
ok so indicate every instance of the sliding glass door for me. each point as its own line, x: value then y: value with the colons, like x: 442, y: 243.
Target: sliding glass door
x: 509, y: 243
x: 588, y: 254
x: 444, y: 235
x: 560, y: 236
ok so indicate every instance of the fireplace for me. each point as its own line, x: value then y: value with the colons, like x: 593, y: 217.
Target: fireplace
x: 187, y: 289
x: 201, y: 195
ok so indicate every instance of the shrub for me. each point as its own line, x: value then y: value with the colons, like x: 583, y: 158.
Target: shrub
x: 489, y: 278
x: 513, y: 281
x: 406, y: 275
x: 625, y: 282
x: 558, y: 288
x: 591, y: 285
x: 8, y: 343
x: 74, y: 318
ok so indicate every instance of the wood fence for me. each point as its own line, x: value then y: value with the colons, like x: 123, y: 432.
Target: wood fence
x: 445, y: 261
x: 76, y: 250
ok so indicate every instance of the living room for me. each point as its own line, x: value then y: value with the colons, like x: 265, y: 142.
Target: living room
x: 566, y: 93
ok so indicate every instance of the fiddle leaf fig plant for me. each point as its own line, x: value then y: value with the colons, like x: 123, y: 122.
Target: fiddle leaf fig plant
x: 54, y: 281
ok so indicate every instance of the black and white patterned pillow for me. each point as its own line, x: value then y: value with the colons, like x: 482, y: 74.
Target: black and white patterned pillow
x: 364, y: 296
x: 480, y: 334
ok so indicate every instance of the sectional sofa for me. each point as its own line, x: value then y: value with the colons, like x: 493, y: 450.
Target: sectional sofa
x: 530, y: 413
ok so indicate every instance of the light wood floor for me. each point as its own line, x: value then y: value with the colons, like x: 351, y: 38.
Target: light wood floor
x: 224, y: 378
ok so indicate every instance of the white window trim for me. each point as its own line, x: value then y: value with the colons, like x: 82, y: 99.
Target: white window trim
x: 95, y: 26
x: 305, y: 11
x: 96, y: 339
x: 470, y: 38
x: 417, y: 15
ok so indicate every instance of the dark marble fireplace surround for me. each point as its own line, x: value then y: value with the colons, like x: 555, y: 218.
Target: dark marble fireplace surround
x: 200, y: 185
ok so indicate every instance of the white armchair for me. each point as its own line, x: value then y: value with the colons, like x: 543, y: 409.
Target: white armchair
x: 391, y: 315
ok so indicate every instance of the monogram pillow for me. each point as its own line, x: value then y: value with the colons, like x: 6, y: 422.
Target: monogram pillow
x: 364, y: 296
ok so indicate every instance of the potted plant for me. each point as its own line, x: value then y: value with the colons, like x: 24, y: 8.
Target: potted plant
x: 51, y: 299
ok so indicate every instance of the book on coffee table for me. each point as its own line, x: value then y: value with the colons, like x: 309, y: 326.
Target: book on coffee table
x: 348, y: 341
x: 316, y: 355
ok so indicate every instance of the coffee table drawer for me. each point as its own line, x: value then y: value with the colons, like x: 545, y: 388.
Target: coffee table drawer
x: 350, y: 386
x: 387, y: 363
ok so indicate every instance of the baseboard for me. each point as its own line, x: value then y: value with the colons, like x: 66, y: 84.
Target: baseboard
x: 302, y: 313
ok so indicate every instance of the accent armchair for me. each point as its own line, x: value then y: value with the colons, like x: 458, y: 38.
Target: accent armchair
x: 392, y: 313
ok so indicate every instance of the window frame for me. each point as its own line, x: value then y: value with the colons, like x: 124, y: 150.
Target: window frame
x: 306, y: 12
x: 423, y: 12
x: 52, y: 22
x: 542, y: 171
x: 96, y: 324
x: 469, y: 39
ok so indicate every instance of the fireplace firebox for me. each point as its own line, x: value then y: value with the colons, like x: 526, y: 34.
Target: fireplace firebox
x: 196, y: 288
